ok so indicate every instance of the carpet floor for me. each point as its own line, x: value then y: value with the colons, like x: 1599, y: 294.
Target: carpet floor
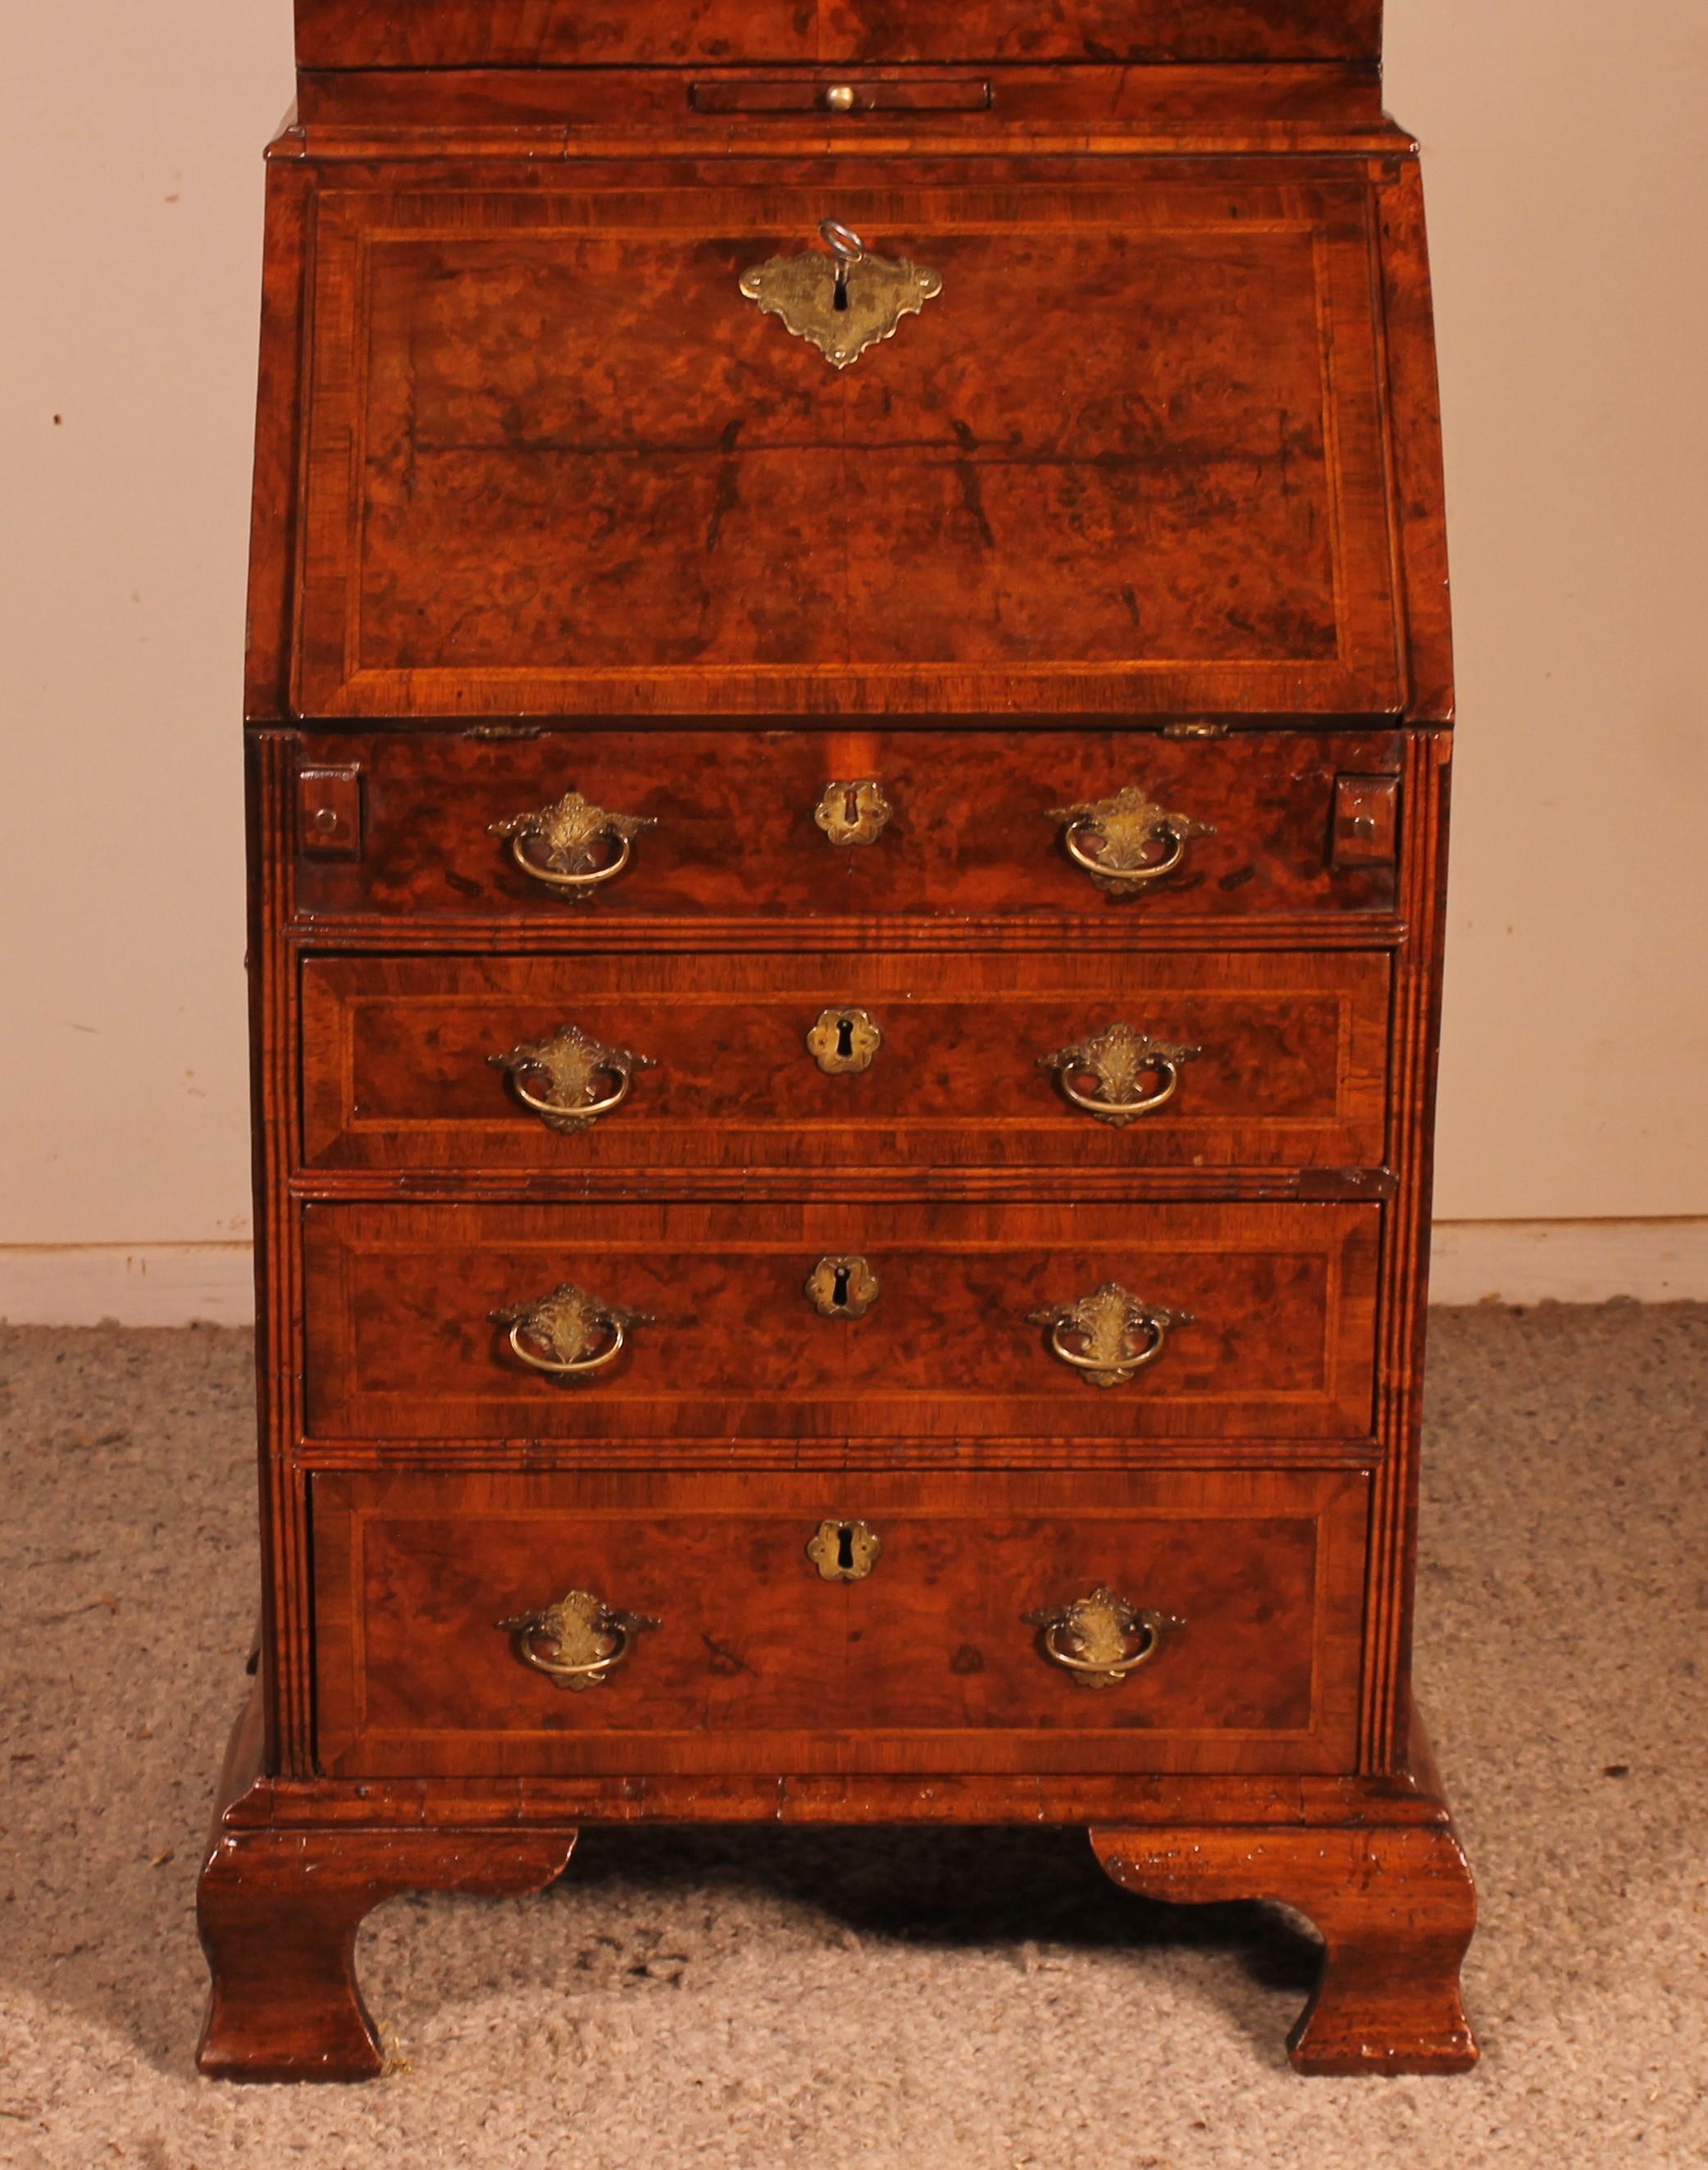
x: 965, y: 2001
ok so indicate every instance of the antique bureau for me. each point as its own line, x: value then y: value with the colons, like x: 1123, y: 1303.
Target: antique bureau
x: 847, y: 723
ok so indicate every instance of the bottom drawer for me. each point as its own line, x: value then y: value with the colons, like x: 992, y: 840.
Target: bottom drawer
x: 725, y: 1645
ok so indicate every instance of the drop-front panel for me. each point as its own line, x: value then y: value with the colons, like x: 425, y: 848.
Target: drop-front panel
x: 848, y: 691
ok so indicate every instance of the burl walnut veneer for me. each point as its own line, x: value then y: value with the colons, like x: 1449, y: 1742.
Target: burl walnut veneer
x: 847, y: 714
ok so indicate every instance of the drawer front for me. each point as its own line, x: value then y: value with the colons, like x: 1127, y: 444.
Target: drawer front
x: 970, y: 823
x: 1267, y: 1058
x: 1133, y: 458
x: 932, y: 1661
x: 922, y: 1328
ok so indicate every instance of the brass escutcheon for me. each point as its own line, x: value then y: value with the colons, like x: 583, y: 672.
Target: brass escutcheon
x: 568, y: 1333
x: 852, y: 813
x: 1102, y: 1639
x: 842, y: 1288
x: 1107, y: 1323
x: 844, y: 303
x: 570, y: 837
x: 1123, y: 1062
x: 569, y: 1065
x: 583, y: 1638
x: 843, y: 1041
x: 1138, y: 841
x: 844, y: 1551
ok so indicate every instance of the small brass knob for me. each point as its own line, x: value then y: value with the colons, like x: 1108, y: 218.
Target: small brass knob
x: 839, y: 98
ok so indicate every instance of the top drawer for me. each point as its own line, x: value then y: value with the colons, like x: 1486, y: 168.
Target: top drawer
x: 805, y: 826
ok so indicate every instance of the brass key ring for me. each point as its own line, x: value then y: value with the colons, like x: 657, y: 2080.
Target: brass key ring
x: 846, y: 245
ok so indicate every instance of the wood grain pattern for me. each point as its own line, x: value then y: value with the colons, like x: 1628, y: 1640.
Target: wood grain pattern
x: 926, y: 1665
x: 970, y: 833
x: 399, y: 1343
x: 355, y: 34
x: 396, y: 1072
x: 528, y: 490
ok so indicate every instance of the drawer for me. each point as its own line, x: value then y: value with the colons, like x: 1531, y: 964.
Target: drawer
x: 966, y: 823
x: 934, y: 1660
x: 825, y: 1324
x: 1271, y: 1059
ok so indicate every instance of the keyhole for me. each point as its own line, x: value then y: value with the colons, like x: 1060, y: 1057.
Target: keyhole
x: 839, y: 299
x: 839, y: 1295
x: 845, y: 1547
x: 845, y: 1038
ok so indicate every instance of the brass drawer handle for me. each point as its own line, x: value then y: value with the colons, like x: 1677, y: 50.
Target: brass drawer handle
x: 1108, y: 1322
x: 1128, y: 829
x: 571, y: 1064
x: 568, y: 1334
x: 585, y: 1639
x: 1102, y: 1639
x: 569, y: 833
x: 1122, y: 1060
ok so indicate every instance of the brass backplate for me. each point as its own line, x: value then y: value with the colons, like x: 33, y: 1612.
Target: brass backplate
x: 876, y: 292
x: 843, y: 1041
x: 852, y: 813
x: 844, y: 1551
x: 842, y: 1288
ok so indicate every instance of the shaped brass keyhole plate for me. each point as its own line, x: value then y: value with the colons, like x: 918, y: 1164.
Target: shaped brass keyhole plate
x: 843, y: 1041
x: 844, y: 303
x: 844, y: 1551
x: 852, y: 813
x: 842, y: 1288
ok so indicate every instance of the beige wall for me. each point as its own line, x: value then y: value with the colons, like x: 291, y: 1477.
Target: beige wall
x: 1567, y: 146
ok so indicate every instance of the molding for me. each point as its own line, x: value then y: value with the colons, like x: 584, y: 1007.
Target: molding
x: 1656, y: 1261
x: 127, y: 1284
x: 1661, y: 1261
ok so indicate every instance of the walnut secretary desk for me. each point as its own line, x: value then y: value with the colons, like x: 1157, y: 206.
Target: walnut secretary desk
x: 848, y: 702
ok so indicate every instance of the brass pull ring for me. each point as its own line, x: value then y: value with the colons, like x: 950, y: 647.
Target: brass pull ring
x: 1090, y: 1637
x: 1109, y: 1321
x: 588, y: 1112
x: 569, y: 831
x: 519, y: 852
x: 1093, y: 1106
x: 1130, y: 876
x: 578, y: 1334
x: 578, y: 1368
x: 595, y: 1669
x: 568, y: 1064
x: 1121, y: 1059
x: 1149, y: 1624
x: 1129, y: 1362
x: 587, y: 1639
